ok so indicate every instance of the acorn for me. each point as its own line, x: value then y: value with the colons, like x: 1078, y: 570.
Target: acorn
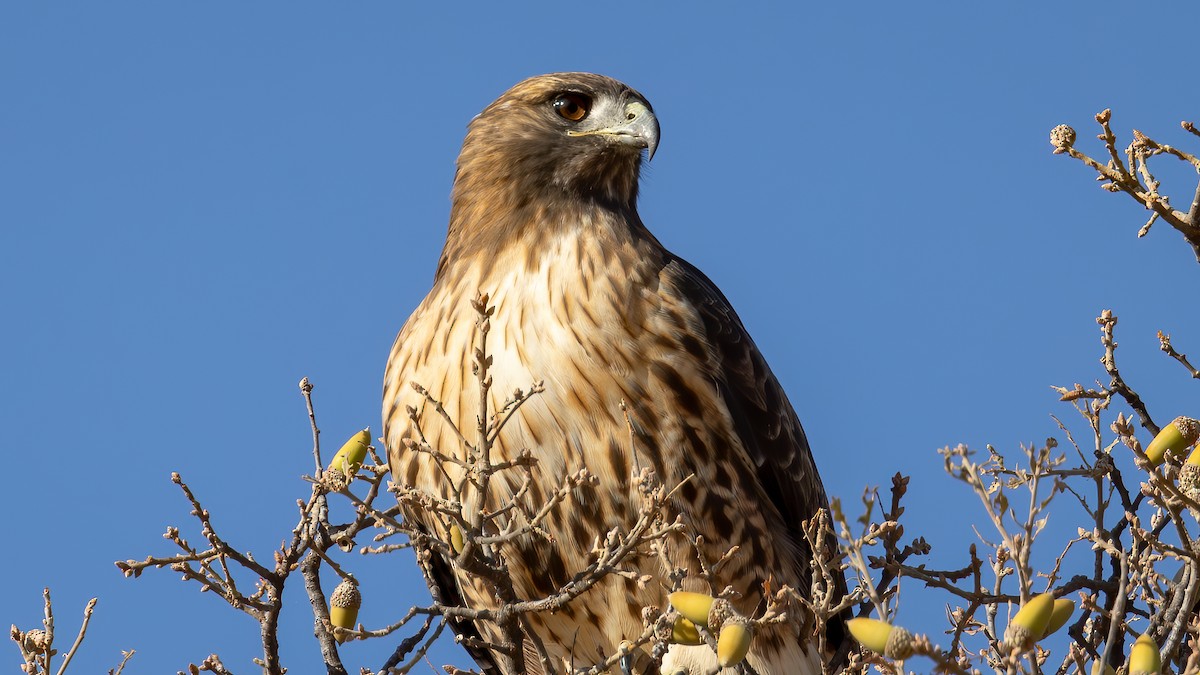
x: 456, y: 538
x: 343, y: 607
x: 1144, y: 658
x: 1175, y: 437
x: 1194, y: 458
x: 693, y: 606
x: 733, y: 643
x: 351, y: 456
x: 1029, y: 625
x: 1106, y: 670
x: 684, y: 632
x: 1059, y: 615
x: 882, y: 637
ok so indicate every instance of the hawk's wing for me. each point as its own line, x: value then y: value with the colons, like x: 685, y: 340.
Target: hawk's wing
x: 763, y: 418
x: 765, y: 421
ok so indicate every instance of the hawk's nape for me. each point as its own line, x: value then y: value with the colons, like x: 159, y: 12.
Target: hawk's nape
x: 544, y: 219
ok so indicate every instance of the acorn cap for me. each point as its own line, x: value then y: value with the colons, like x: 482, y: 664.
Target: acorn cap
x: 35, y: 641
x: 1144, y: 658
x: 899, y: 644
x: 734, y: 642
x: 1062, y: 137
x: 1029, y: 625
x: 693, y: 606
x: 1175, y: 437
x: 1189, y: 478
x: 334, y: 480
x: 1059, y: 615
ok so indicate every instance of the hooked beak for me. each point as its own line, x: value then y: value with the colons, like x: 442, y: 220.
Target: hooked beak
x: 638, y: 128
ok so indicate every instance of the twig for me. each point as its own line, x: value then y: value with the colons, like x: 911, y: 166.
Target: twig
x: 125, y: 656
x: 1164, y: 341
x: 87, y: 618
x: 1108, y: 321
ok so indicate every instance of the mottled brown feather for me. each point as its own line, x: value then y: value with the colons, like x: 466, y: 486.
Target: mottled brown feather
x: 588, y: 300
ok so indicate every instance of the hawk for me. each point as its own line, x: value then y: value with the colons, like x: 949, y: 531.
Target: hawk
x: 544, y: 219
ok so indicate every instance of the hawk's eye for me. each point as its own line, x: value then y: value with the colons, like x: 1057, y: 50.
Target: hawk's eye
x: 572, y: 107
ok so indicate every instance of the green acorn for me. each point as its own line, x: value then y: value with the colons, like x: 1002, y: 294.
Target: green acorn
x: 1175, y: 437
x: 343, y: 607
x: 1059, y: 615
x: 693, y: 606
x: 1106, y: 670
x: 1029, y: 625
x: 733, y: 643
x: 882, y: 637
x: 684, y: 632
x: 351, y: 456
x: 1144, y: 658
x: 456, y: 538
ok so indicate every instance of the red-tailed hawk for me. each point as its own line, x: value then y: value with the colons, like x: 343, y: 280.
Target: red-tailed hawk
x: 544, y: 219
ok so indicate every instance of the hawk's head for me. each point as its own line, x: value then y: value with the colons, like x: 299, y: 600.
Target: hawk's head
x: 576, y: 135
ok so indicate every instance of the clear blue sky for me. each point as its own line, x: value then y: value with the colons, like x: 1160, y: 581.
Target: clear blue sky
x: 202, y: 203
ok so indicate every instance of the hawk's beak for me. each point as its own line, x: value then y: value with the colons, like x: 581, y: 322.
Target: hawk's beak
x: 638, y: 127
x: 641, y: 126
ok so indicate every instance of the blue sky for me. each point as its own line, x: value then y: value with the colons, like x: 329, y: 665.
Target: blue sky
x: 202, y: 203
